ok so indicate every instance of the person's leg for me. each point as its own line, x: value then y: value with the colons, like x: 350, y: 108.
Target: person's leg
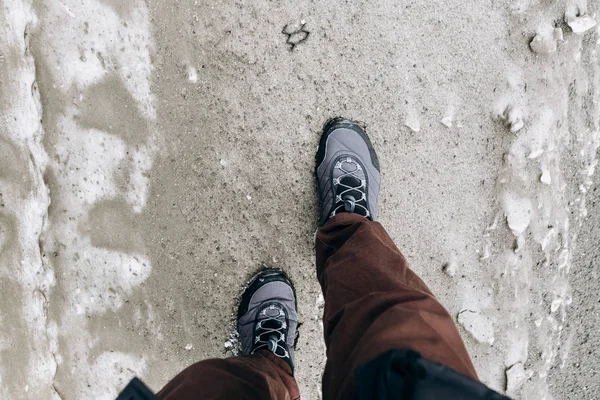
x: 373, y: 301
x: 267, y: 322
x: 261, y: 376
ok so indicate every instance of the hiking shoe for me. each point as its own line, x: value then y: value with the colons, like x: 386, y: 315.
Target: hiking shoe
x: 267, y: 317
x: 347, y: 171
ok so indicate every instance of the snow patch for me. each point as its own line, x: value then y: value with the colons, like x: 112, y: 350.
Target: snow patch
x: 518, y: 211
x: 412, y: 122
x: 478, y: 325
x: 545, y: 178
x: 515, y: 378
x: 512, y: 117
x: 110, y: 372
x: 578, y: 19
x: 545, y: 40
x: 192, y: 75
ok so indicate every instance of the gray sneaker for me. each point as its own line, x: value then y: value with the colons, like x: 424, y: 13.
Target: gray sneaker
x: 267, y: 317
x: 347, y: 172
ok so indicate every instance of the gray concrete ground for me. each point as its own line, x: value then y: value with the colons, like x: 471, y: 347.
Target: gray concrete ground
x: 576, y: 377
x: 155, y: 154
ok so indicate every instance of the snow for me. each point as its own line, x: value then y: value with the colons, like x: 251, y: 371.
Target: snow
x: 447, y: 121
x: 518, y: 212
x: 546, y: 178
x: 413, y: 123
x: 579, y: 22
x: 478, y: 325
x: 192, y: 74
x: 545, y: 41
x: 515, y: 378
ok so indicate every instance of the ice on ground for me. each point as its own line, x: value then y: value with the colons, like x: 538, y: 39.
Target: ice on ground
x: 512, y: 117
x: 558, y: 34
x: 518, y: 349
x: 450, y: 115
x: 69, y: 168
x: 478, y: 325
x: 578, y: 19
x: 582, y: 24
x: 412, y: 122
x: 192, y: 74
x: 545, y: 178
x: 545, y: 41
x: 518, y: 211
x: 535, y: 153
x: 515, y: 378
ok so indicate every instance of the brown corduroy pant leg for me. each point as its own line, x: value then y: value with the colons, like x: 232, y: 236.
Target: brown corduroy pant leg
x: 262, y: 376
x: 373, y: 303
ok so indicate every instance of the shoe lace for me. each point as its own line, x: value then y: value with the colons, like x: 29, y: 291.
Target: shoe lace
x: 351, y: 196
x: 270, y: 330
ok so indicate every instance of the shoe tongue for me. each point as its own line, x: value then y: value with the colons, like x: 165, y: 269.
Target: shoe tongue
x: 351, y: 197
x: 271, y: 324
x: 351, y: 181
